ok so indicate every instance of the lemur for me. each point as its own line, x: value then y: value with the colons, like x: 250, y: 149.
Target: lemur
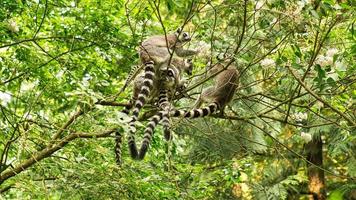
x: 155, y: 53
x: 164, y: 88
x: 218, y: 95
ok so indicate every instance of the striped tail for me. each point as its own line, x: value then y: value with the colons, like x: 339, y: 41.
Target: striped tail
x: 147, y: 138
x: 133, y: 73
x: 165, y: 105
x: 163, y: 116
x: 163, y: 102
x: 118, y: 142
x: 195, y: 113
x: 144, y: 93
x: 166, y: 127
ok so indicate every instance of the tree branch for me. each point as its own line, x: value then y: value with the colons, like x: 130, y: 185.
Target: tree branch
x: 65, y: 126
x: 48, y: 151
x: 353, y: 123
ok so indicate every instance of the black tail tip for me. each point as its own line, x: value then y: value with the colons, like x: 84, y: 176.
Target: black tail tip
x: 133, y: 151
x: 168, y: 135
x: 143, y: 152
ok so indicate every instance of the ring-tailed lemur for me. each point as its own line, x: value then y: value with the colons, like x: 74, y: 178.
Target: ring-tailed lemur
x: 155, y: 53
x: 159, y: 49
x: 182, y: 65
x: 218, y: 95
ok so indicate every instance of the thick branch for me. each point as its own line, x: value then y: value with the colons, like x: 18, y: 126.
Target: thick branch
x: 111, y: 103
x: 48, y: 151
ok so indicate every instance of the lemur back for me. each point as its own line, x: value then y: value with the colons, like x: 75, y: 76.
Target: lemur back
x: 160, y: 48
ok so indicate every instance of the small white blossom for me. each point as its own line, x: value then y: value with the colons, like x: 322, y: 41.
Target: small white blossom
x: 340, y: 66
x: 12, y: 26
x: 3, y: 50
x: 59, y: 74
x: 28, y: 115
x: 26, y: 86
x: 337, y: 7
x: 87, y: 77
x: 267, y: 62
x: 304, y: 116
x: 301, y: 5
x: 97, y: 49
x: 300, y: 116
x: 274, y: 20
x: 43, y: 114
x: 306, y: 137
x: 149, y: 22
x: 5, y: 98
x: 331, y: 52
x: 324, y: 61
x: 259, y: 5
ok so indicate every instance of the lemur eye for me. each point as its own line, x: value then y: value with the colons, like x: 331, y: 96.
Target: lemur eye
x: 170, y: 73
x: 185, y: 35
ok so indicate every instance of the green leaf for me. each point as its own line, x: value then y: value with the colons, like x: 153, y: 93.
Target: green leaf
x: 297, y: 51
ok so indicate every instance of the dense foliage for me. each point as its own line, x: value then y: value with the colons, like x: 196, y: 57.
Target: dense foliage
x: 60, y: 59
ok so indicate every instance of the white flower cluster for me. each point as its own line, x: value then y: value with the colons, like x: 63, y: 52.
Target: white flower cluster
x: 267, y: 62
x: 86, y: 79
x: 12, y: 26
x: 5, y: 98
x: 331, y: 52
x: 300, y: 5
x: 4, y: 49
x: 300, y: 116
x: 306, y: 137
x: 59, y: 74
x: 259, y: 4
x: 327, y: 59
x: 26, y: 86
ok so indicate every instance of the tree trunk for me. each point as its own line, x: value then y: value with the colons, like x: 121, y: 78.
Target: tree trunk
x: 315, y: 175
